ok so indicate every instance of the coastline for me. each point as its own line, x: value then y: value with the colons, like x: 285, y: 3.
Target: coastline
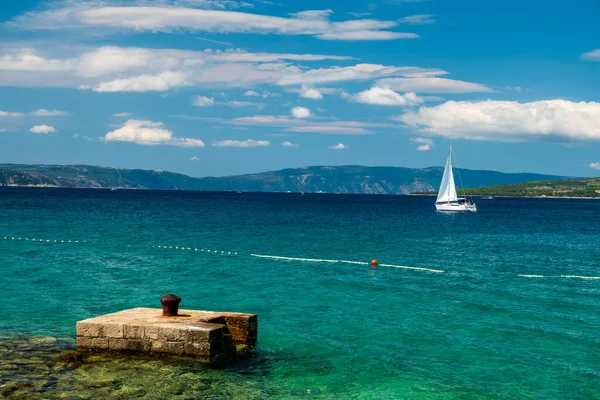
x: 512, y: 197
x: 299, y: 192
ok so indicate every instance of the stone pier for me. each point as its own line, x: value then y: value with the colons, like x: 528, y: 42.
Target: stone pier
x: 212, y: 337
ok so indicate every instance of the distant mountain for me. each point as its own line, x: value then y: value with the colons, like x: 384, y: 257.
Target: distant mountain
x: 341, y: 179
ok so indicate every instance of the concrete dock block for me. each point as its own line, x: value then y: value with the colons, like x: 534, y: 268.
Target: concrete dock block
x: 113, y: 330
x: 163, y: 346
x: 151, y: 332
x: 206, y: 335
x: 133, y: 332
x: 243, y: 327
x: 89, y: 329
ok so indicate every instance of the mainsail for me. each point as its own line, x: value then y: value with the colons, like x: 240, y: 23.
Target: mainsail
x: 447, y: 190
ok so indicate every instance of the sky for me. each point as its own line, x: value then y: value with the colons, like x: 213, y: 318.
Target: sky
x: 223, y: 87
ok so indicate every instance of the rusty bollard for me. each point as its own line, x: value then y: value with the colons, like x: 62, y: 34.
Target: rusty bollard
x: 170, y: 305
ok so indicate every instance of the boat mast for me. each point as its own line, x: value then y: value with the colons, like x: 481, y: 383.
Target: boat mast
x: 450, y: 165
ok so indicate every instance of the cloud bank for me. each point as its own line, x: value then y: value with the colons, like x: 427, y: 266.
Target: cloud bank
x: 508, y: 120
x: 160, y: 17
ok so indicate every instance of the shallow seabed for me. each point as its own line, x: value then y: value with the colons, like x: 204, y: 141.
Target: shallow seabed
x: 42, y: 367
x: 514, y: 315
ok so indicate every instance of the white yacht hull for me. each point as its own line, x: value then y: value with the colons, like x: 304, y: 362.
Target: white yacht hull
x: 472, y: 207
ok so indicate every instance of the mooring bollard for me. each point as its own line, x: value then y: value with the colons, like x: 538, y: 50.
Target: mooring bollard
x: 170, y: 305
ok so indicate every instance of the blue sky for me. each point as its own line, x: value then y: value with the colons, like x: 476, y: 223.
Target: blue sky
x: 218, y: 87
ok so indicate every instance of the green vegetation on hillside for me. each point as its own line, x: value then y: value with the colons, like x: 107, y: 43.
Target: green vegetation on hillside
x: 316, y: 179
x: 581, y: 187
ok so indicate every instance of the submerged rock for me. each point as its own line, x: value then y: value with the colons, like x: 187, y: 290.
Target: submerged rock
x: 44, y: 367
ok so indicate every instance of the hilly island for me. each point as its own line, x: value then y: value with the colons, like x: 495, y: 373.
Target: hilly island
x: 325, y: 179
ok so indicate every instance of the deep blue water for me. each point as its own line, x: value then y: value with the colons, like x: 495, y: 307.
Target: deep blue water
x: 331, y: 330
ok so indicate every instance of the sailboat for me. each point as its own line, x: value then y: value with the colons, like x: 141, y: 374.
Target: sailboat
x: 447, y: 198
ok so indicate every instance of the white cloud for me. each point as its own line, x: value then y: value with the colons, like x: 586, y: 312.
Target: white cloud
x: 300, y: 112
x: 38, y: 113
x: 240, y: 143
x: 87, y: 138
x: 3, y: 130
x: 111, y: 59
x: 360, y: 14
x: 331, y: 130
x: 145, y: 69
x: 10, y: 114
x: 123, y: 115
x: 419, y: 19
x: 242, y: 104
x: 386, y: 97
x: 426, y: 144
x: 367, y: 35
x: 310, y: 92
x: 203, y: 101
x: 47, y: 113
x: 243, y: 56
x: 42, y: 129
x: 143, y: 83
x: 355, y: 72
x: 337, y: 127
x: 148, y: 133
x: 186, y: 142
x: 289, y: 144
x: 27, y: 60
x: 102, y: 16
x: 264, y: 94
x: 305, y: 87
x: 593, y: 55
x: 194, y: 158
x: 595, y: 165
x: 339, y: 146
x: 432, y: 85
x: 508, y: 120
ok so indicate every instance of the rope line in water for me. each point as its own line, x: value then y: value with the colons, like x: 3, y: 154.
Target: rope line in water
x: 284, y: 258
x: 318, y: 260
x: 591, y: 278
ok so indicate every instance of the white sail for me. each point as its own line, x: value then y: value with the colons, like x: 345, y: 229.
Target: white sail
x: 447, y: 190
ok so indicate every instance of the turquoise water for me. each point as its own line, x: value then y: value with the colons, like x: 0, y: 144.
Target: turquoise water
x: 328, y: 330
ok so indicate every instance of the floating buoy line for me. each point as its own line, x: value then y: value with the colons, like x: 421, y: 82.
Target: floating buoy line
x: 373, y: 263
x: 196, y: 249
x: 318, y: 260
x: 44, y: 240
x: 590, y: 278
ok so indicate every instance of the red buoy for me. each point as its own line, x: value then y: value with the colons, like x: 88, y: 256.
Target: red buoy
x: 374, y: 263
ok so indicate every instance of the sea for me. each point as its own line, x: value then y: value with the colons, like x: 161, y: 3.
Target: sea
x: 499, y: 304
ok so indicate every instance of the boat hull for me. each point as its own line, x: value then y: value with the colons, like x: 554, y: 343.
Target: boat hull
x: 469, y: 207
